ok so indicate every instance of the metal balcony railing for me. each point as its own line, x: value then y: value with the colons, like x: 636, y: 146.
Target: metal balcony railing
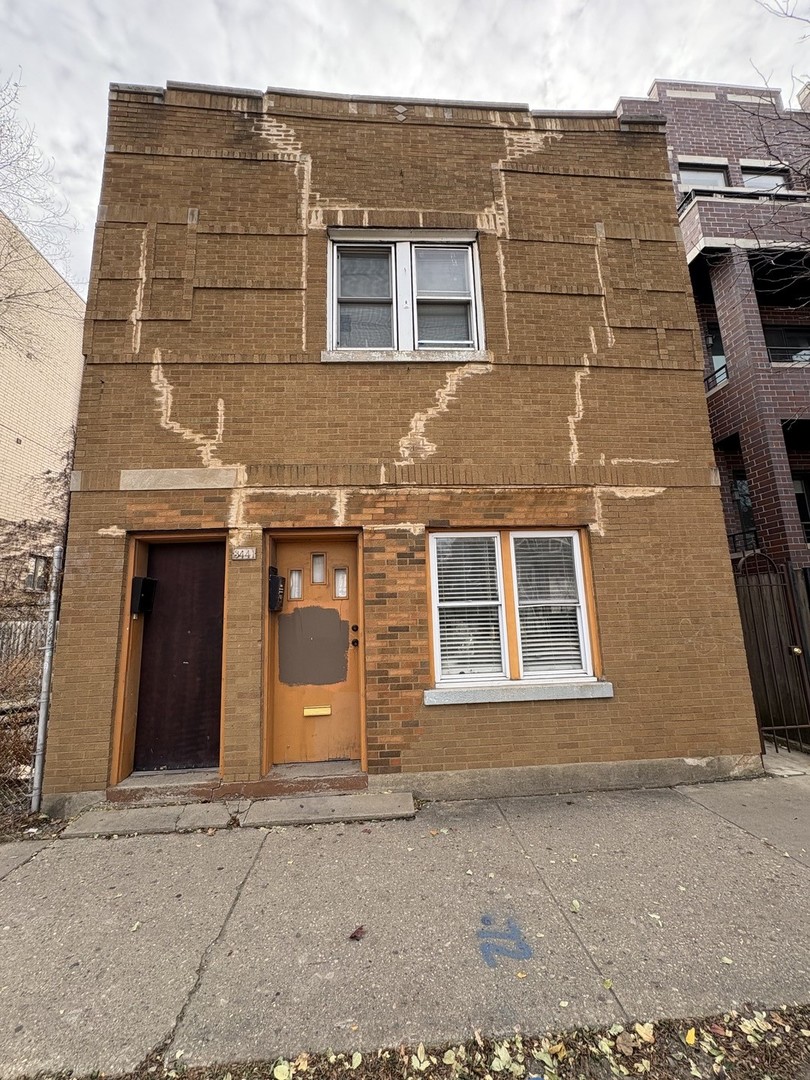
x: 740, y: 542
x: 716, y: 378
x: 714, y: 191
x: 787, y: 355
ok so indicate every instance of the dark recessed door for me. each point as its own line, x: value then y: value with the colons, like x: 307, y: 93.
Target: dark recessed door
x: 179, y: 700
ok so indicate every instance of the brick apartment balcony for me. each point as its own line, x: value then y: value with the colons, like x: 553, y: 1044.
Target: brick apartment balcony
x: 719, y: 217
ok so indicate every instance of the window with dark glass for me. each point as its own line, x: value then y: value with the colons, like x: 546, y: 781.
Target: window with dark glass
x: 36, y: 577
x: 788, y: 344
x: 801, y: 486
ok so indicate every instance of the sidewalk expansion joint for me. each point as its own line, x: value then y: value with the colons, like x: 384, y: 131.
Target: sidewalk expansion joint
x: 202, y: 967
x: 746, y: 832
x: 18, y: 866
x: 563, y: 912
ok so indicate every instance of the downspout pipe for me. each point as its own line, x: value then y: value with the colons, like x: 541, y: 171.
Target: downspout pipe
x: 45, y: 687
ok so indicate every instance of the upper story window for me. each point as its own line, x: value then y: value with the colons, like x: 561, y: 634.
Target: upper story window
x: 703, y: 176
x: 765, y: 179
x: 405, y: 294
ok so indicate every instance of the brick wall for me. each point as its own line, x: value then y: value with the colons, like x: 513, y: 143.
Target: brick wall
x: 206, y: 325
x: 738, y: 125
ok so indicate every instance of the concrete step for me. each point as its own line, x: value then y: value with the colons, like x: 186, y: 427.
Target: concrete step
x: 298, y: 810
x: 204, y: 785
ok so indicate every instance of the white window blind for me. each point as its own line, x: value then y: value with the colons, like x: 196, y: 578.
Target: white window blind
x: 469, y: 606
x: 548, y: 606
x: 542, y: 622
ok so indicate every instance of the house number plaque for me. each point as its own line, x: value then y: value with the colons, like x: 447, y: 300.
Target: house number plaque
x: 243, y: 554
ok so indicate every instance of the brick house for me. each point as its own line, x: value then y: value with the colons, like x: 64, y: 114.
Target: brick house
x: 744, y: 215
x: 393, y: 458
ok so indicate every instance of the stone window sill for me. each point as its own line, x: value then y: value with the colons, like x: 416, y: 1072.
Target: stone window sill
x: 517, y: 691
x: 406, y: 356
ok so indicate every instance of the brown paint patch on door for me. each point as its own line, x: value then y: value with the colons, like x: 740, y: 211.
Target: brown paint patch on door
x: 313, y: 647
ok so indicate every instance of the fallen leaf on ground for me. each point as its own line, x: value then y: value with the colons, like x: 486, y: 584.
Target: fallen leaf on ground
x: 135, y: 927
x: 520, y: 974
x: 607, y: 983
x: 689, y: 1037
x: 625, y: 1043
x: 645, y: 1032
x: 575, y: 905
x: 357, y: 933
x: 726, y: 960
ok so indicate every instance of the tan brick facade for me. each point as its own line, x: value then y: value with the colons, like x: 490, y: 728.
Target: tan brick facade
x: 207, y: 321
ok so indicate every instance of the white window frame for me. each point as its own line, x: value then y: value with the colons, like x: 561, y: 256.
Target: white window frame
x: 585, y: 674
x: 402, y: 245
x: 711, y: 167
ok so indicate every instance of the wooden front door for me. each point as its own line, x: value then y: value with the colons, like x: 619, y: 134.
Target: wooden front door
x: 316, y: 653
x: 180, y: 692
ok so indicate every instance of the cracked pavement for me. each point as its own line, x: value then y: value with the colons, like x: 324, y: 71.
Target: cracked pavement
x: 536, y: 913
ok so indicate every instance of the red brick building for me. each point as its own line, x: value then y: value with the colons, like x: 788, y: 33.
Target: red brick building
x: 435, y: 367
x: 743, y: 207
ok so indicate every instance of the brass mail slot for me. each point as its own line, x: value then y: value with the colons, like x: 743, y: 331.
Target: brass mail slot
x: 318, y: 710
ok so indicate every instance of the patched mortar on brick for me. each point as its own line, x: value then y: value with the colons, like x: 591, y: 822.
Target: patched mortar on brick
x: 206, y: 444
x: 415, y: 445
x: 137, y: 312
x: 595, y: 410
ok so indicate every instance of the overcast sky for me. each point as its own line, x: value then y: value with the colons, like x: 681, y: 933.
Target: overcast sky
x: 567, y: 54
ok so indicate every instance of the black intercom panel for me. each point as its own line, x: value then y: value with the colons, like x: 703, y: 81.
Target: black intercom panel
x: 276, y: 590
x: 143, y: 595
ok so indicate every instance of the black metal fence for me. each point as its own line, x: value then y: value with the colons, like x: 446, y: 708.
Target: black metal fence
x: 776, y: 648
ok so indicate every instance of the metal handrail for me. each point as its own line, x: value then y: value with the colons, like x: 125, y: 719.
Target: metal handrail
x: 716, y: 378
x: 786, y: 355
x: 747, y: 540
x: 717, y: 191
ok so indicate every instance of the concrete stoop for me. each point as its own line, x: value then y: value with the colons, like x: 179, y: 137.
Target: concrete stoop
x: 201, y: 785
x: 260, y: 813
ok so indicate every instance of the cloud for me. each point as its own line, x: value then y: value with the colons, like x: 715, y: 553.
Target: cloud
x: 552, y: 54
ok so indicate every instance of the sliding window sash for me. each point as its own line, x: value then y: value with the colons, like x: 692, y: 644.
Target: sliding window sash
x: 550, y: 611
x: 469, y: 618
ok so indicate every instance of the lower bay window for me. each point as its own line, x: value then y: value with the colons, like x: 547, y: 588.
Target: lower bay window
x: 510, y: 612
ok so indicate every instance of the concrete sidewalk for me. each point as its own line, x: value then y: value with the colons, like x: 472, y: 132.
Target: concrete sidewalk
x: 536, y: 913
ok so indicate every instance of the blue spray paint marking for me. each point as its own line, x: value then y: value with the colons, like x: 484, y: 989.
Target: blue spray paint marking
x: 508, y: 943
